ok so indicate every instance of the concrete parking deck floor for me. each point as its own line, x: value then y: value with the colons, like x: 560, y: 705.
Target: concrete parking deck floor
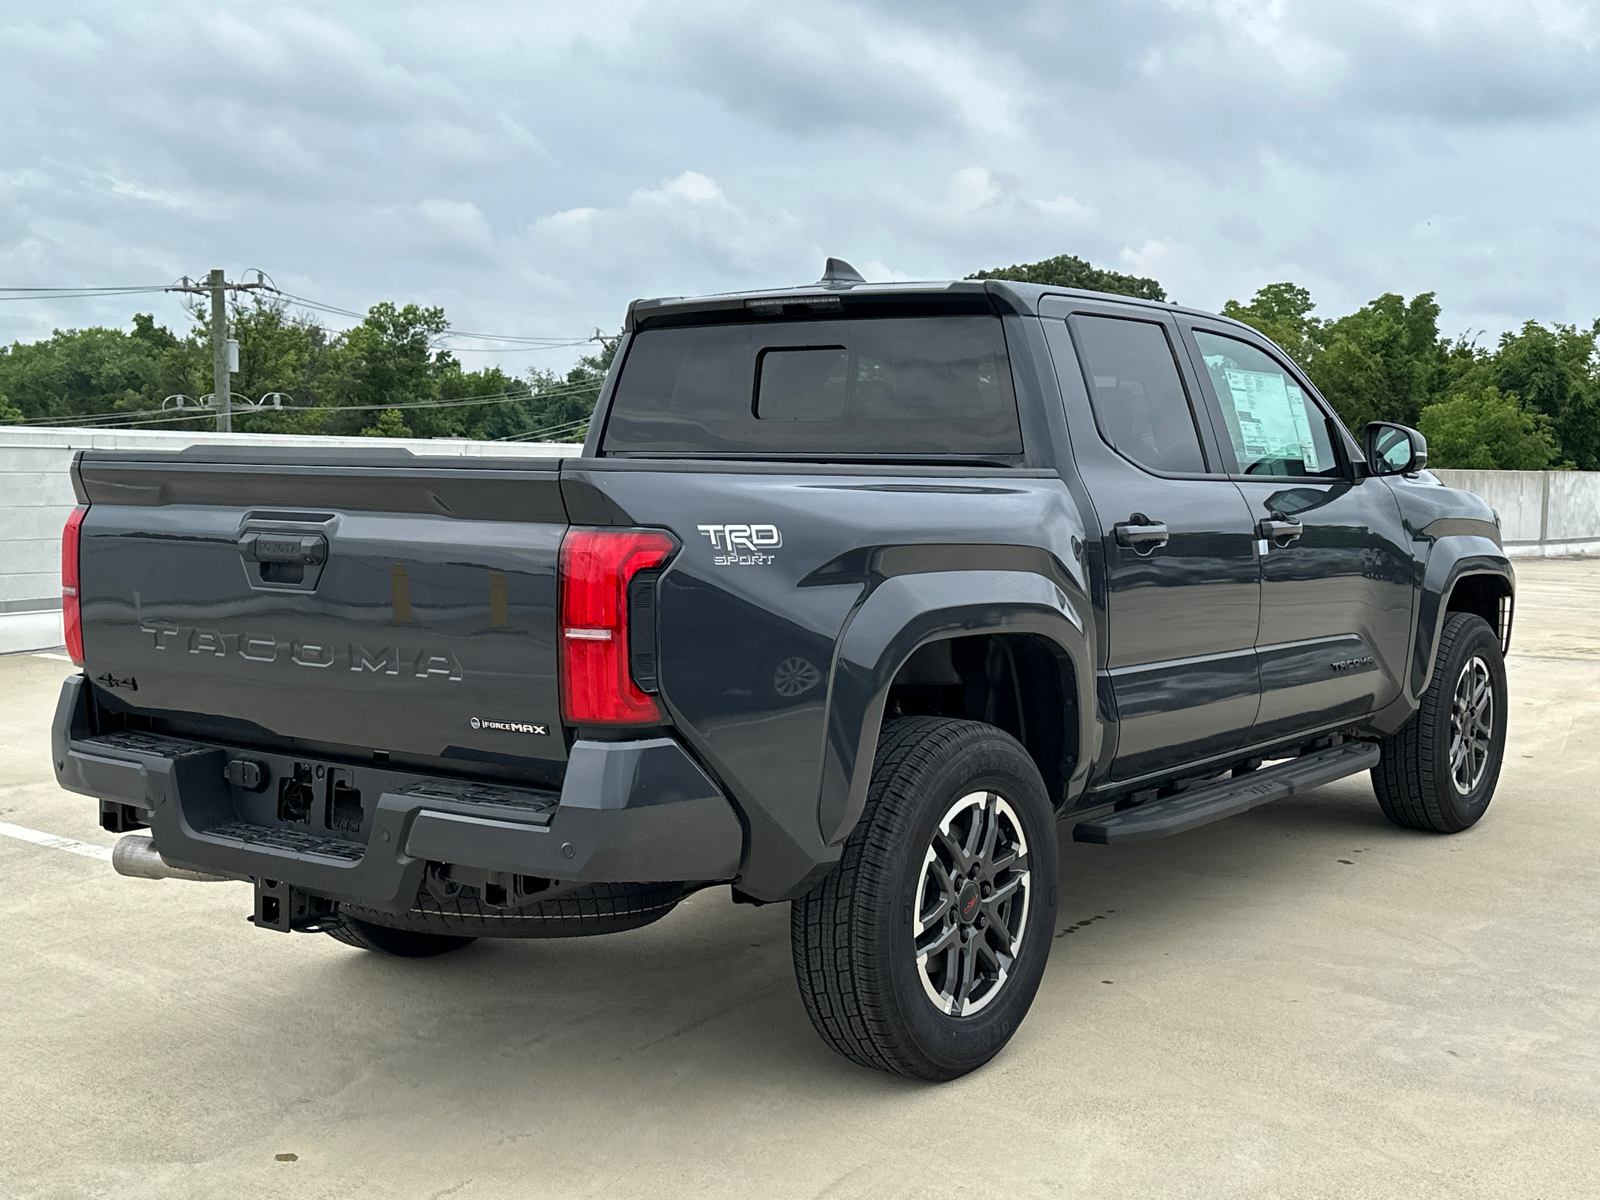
x: 1303, y: 1001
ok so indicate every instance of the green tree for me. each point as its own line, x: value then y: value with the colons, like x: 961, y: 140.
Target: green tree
x: 282, y: 355
x: 1068, y: 270
x: 76, y: 372
x: 392, y: 358
x: 1484, y: 430
x: 10, y: 414
x: 560, y: 405
x: 1555, y: 372
x: 389, y: 423
x: 1282, y: 311
x: 1383, y: 362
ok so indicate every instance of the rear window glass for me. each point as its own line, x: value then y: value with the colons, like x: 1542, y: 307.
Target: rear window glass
x: 901, y: 385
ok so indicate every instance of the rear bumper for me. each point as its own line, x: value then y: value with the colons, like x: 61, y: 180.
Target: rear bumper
x: 627, y: 812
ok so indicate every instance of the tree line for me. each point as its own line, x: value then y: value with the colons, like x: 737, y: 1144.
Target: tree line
x: 386, y: 377
x: 1529, y: 401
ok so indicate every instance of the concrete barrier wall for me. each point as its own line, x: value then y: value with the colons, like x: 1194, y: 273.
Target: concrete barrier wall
x: 1542, y: 513
x: 36, y: 497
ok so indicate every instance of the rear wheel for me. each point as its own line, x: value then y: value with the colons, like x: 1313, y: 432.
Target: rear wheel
x: 1438, y: 771
x: 920, y: 953
x: 403, y: 943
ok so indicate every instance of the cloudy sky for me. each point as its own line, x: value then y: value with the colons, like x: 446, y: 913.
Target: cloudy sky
x: 532, y: 167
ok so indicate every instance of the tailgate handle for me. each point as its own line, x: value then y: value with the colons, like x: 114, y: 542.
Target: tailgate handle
x: 284, y: 548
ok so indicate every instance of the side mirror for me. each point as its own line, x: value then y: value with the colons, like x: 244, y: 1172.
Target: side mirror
x: 1395, y: 449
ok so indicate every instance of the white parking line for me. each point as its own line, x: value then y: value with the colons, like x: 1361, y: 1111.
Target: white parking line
x: 52, y: 842
x: 57, y: 657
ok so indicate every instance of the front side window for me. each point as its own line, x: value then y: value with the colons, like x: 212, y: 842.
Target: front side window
x: 1137, y: 393
x: 1273, y: 426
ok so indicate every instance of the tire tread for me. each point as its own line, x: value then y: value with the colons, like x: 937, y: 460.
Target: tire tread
x: 840, y: 963
x: 1406, y: 779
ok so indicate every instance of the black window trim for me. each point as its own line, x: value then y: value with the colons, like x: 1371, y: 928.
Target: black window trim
x: 1341, y: 443
x: 1208, y: 448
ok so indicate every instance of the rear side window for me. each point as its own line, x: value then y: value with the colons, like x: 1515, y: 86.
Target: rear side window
x: 1137, y: 393
x: 892, y: 385
x: 1274, y: 428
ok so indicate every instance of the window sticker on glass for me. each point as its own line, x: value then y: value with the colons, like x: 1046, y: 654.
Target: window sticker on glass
x: 1271, y: 412
x: 1274, y: 427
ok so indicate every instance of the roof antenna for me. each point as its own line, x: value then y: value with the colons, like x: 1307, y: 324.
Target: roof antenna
x: 838, y: 273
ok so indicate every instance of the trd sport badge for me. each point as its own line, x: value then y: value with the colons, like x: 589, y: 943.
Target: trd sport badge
x: 743, y: 545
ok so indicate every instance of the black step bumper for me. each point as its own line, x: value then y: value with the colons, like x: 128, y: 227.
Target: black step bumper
x: 627, y: 812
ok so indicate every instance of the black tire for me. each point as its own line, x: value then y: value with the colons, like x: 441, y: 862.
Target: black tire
x: 583, y: 912
x: 1422, y: 780
x: 403, y: 943
x: 855, y: 936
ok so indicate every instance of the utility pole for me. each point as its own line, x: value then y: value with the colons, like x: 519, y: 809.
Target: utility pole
x: 224, y: 353
x: 220, y: 383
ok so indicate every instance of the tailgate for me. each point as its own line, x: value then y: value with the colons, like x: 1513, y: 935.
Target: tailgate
x: 350, y: 600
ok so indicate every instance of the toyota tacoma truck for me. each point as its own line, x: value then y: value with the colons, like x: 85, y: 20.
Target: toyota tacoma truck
x: 855, y: 592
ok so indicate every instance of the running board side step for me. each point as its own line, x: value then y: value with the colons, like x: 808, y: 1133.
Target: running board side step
x: 1228, y: 797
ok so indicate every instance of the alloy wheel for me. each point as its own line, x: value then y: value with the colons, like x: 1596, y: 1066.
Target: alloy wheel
x: 1471, y: 725
x: 971, y: 903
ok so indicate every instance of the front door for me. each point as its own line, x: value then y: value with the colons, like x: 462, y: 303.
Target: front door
x: 1177, y: 541
x: 1336, y: 567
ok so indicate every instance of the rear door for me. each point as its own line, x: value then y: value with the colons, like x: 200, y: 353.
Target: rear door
x: 1183, y: 585
x: 1336, y: 564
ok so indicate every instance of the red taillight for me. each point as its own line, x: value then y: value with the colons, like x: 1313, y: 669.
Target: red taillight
x: 597, y: 684
x: 71, y: 614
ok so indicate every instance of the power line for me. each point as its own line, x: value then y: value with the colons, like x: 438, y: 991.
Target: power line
x: 548, y: 432
x: 73, y: 293
x: 319, y: 306
x: 263, y: 283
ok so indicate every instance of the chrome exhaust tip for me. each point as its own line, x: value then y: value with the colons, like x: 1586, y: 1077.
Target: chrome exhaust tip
x: 135, y: 856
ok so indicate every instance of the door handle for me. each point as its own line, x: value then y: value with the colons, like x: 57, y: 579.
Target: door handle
x: 1140, y: 534
x: 1280, y: 531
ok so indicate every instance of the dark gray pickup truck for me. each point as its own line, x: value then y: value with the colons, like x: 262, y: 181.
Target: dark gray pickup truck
x: 855, y: 592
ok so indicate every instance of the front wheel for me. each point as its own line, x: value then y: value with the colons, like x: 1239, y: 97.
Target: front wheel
x: 1438, y: 771
x: 920, y: 953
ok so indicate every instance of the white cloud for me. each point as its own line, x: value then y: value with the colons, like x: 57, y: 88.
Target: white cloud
x: 1067, y: 210
x: 971, y: 189
x: 533, y: 167
x: 876, y: 272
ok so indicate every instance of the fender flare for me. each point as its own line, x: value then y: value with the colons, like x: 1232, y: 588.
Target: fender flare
x: 1454, y: 558
x: 906, y: 612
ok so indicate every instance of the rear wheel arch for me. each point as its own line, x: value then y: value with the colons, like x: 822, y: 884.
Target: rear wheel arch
x: 906, y: 613
x: 1022, y: 683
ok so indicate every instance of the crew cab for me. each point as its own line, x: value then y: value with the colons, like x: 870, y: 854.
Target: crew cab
x: 856, y: 591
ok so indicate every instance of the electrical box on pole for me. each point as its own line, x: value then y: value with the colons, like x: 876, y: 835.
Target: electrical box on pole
x: 216, y: 284
x: 233, y: 356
